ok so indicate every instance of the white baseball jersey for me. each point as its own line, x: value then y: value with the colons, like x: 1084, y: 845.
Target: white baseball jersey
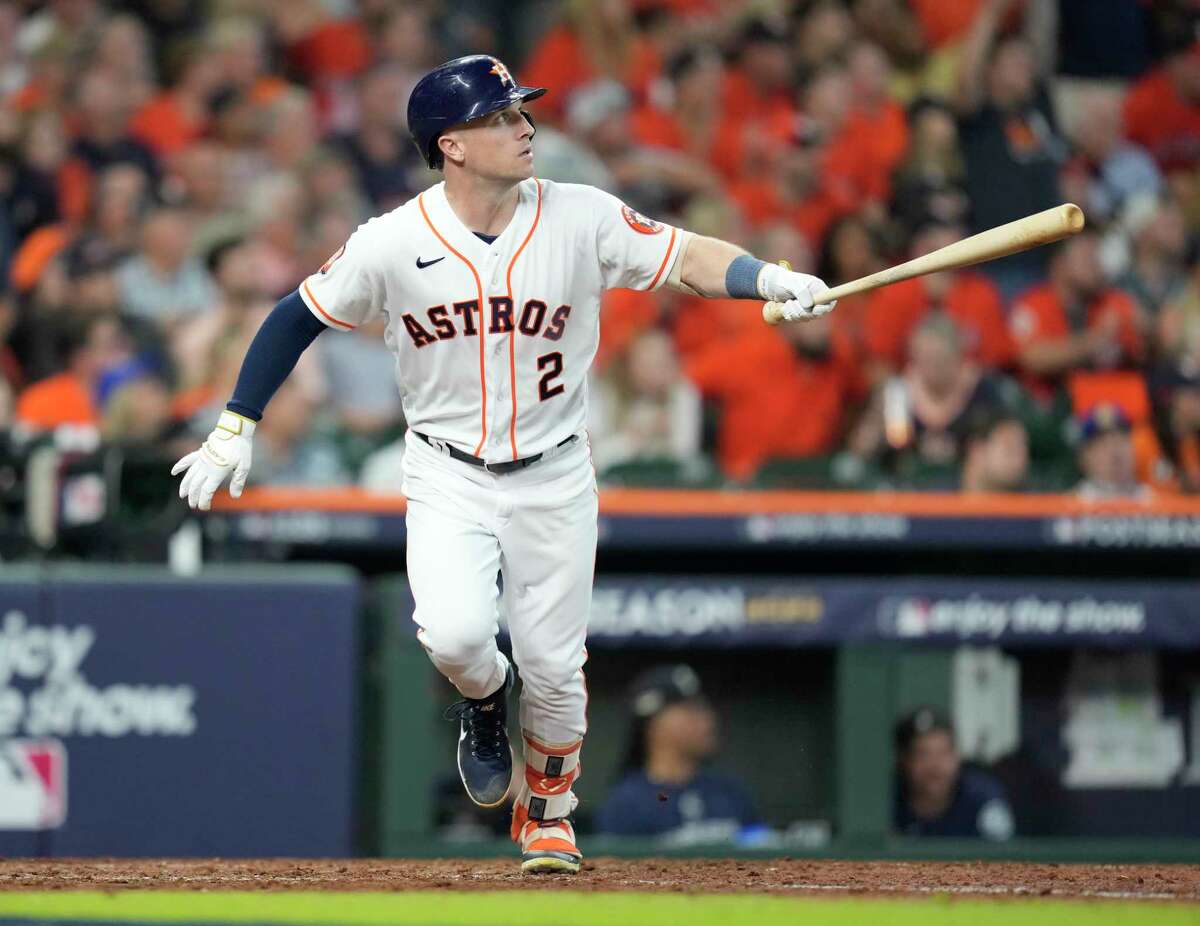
x: 493, y: 341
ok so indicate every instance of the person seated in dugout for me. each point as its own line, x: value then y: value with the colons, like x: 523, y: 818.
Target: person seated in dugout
x: 665, y: 789
x: 935, y: 794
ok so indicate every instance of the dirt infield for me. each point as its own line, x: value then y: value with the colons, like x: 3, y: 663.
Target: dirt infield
x: 790, y: 876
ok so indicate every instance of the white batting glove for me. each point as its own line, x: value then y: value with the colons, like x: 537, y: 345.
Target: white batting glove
x: 226, y: 450
x: 795, y: 291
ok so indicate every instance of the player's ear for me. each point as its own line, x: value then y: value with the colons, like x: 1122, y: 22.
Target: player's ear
x: 450, y: 144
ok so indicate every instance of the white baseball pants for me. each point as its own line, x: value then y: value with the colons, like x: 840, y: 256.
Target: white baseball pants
x: 537, y: 528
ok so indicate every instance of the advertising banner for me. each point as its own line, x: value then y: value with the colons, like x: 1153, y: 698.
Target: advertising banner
x: 142, y: 714
x: 686, y: 611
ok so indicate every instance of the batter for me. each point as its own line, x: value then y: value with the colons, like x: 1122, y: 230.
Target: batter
x: 490, y: 283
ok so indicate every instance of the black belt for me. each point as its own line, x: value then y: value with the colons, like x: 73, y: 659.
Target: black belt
x: 509, y: 466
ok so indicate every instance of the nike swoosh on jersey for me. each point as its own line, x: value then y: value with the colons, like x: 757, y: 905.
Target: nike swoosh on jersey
x: 421, y: 265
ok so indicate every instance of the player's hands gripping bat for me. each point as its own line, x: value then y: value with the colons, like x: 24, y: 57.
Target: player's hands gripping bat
x: 226, y: 450
x: 1021, y: 235
x: 793, y: 292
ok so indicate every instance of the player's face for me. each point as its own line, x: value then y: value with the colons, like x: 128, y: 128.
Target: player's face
x: 498, y: 146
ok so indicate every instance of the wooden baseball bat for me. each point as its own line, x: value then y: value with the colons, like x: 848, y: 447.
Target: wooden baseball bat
x: 1021, y: 235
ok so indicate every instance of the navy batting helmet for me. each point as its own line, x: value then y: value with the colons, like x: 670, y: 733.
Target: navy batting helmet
x: 459, y: 91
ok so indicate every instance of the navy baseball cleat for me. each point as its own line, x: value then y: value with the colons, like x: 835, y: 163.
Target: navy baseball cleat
x: 485, y: 759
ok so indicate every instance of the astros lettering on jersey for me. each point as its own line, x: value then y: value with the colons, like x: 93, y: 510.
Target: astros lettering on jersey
x: 493, y: 341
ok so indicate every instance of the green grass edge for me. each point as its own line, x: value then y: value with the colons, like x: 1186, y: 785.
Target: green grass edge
x: 519, y: 908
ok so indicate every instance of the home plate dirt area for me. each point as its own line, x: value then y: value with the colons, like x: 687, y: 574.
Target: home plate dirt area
x: 767, y: 876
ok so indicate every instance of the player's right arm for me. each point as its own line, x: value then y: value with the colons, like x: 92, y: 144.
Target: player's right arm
x: 629, y: 246
x: 345, y: 292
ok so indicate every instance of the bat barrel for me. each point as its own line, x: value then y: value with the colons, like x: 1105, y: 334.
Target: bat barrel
x: 1030, y: 232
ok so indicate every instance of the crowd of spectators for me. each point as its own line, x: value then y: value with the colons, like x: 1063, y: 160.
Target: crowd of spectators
x: 169, y: 169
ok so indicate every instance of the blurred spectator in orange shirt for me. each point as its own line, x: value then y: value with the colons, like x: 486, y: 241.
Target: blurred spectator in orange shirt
x: 781, y: 392
x: 969, y: 298
x: 1106, y: 456
x: 793, y: 189
x: 597, y: 39
x: 624, y: 314
x: 945, y: 23
x: 876, y: 120
x: 759, y: 84
x: 687, y: 121
x: 319, y: 45
x: 928, y: 185
x: 1075, y: 321
x: 1162, y: 110
x: 757, y: 95
x: 698, y: 322
x: 854, y: 172
x: 179, y: 115
x: 997, y: 454
x: 89, y: 347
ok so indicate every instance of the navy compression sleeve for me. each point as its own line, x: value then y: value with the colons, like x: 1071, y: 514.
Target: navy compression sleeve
x: 285, y: 335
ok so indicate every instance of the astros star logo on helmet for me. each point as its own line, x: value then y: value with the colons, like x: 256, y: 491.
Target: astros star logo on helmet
x: 501, y: 71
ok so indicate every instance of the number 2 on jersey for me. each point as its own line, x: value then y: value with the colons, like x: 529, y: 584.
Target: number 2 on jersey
x: 552, y: 363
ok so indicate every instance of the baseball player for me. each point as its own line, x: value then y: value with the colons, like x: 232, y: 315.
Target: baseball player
x: 490, y: 283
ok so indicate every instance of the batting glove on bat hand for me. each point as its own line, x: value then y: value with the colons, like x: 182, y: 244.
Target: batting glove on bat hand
x: 226, y: 450
x: 794, y: 291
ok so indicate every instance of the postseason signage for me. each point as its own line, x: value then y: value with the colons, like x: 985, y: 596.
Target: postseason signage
x: 142, y: 714
x: 754, y: 611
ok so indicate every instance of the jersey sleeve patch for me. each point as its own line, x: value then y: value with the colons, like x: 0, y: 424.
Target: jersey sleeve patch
x: 639, y: 223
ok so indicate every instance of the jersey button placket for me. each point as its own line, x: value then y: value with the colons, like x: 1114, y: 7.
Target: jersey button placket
x: 497, y: 371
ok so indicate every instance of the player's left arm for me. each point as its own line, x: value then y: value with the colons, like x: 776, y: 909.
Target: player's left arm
x: 719, y: 270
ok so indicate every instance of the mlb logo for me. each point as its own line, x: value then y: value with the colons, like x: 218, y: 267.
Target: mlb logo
x: 33, y: 784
